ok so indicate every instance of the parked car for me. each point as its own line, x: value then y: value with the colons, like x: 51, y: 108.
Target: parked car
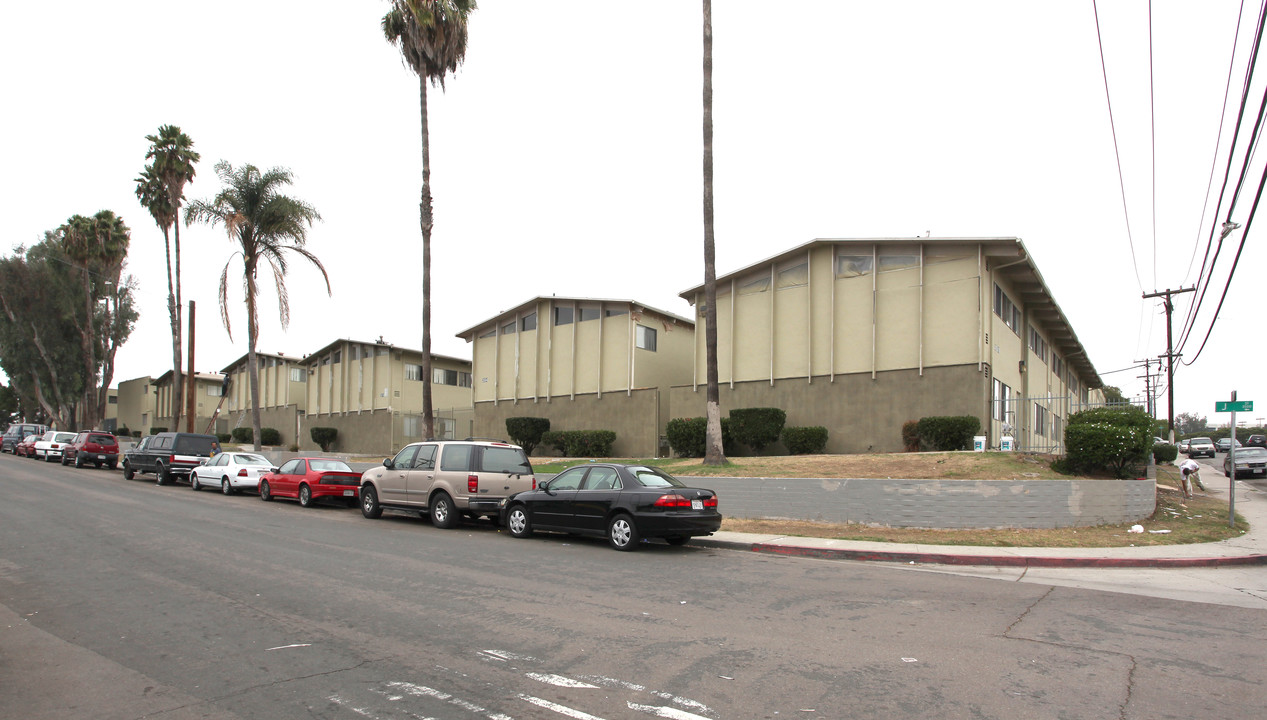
x: 310, y: 479
x: 169, y: 455
x: 26, y: 448
x: 1256, y: 441
x: 623, y: 503
x: 448, y: 479
x: 1250, y: 462
x: 49, y: 447
x: 231, y: 471
x: 1183, y: 446
x: 17, y: 432
x: 1223, y: 444
x: 1200, y: 446
x: 92, y: 447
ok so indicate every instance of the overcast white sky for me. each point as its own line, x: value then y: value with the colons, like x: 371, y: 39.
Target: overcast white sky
x: 566, y: 155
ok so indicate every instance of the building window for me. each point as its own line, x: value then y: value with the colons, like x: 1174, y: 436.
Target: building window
x: 848, y: 266
x: 796, y: 275
x: 464, y: 379
x: 563, y: 316
x: 413, y: 372
x: 112, y: 400
x: 1007, y: 310
x: 508, y: 328
x: 215, y: 390
x: 491, y: 332
x: 1002, y: 396
x: 444, y: 376
x: 1040, y: 420
x: 1037, y: 344
x: 589, y: 313
x: 528, y: 322
x: 338, y: 356
x: 446, y: 428
x: 297, y: 375
x: 645, y: 338
x: 1055, y: 428
x: 898, y: 260
x: 613, y: 312
x: 755, y: 285
x: 410, y: 426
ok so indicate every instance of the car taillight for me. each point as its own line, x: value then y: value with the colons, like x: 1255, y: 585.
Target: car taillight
x: 534, y: 482
x: 710, y: 502
x: 672, y: 500
x: 242, y: 472
x: 473, y: 484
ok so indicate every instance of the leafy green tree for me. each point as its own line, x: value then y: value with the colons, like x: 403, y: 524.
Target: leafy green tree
x: 161, y: 188
x: 1114, y: 396
x: 10, y: 405
x: 1188, y: 423
x: 431, y: 37
x: 267, y: 226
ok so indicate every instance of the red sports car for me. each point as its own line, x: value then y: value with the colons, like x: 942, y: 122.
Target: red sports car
x: 311, y: 478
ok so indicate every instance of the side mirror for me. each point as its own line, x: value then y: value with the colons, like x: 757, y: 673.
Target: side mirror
x: 388, y: 464
x: 545, y: 486
x: 275, y: 470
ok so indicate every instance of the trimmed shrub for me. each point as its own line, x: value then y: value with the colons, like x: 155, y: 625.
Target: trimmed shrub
x: 910, y: 435
x: 270, y: 436
x: 687, y: 436
x: 1165, y: 452
x: 243, y: 435
x: 324, y: 437
x: 156, y: 430
x: 757, y: 427
x: 526, y: 432
x: 123, y: 432
x: 223, y: 437
x: 1114, y: 439
x: 805, y: 440
x: 580, y: 443
x: 136, y: 433
x: 948, y: 432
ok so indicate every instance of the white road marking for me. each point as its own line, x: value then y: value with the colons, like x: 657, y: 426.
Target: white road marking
x: 666, y: 712
x: 560, y: 681
x: 560, y: 709
x: 284, y: 647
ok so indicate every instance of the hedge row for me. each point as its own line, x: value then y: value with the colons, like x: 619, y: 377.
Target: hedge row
x: 1113, y: 439
x: 268, y: 436
x: 580, y: 443
x: 756, y: 428
x: 526, y: 432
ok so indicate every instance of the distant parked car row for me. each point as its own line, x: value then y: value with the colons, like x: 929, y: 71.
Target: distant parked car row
x: 444, y: 480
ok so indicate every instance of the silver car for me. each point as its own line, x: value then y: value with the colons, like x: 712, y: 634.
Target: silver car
x: 1199, y: 446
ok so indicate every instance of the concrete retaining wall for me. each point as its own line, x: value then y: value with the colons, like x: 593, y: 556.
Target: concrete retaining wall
x: 953, y: 504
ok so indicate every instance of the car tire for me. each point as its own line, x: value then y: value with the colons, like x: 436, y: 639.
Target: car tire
x: 160, y: 475
x: 266, y: 492
x: 622, y: 533
x: 305, y: 495
x: 113, y: 466
x: 128, y: 472
x: 677, y: 540
x: 369, y: 503
x: 225, y: 486
x: 518, y: 522
x: 65, y: 460
x: 443, y: 514
x: 193, y: 482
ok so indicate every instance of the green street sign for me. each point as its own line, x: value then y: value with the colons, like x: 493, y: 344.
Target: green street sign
x: 1234, y: 406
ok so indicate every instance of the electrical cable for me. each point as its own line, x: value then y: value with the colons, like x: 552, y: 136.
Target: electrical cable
x: 1116, y: 150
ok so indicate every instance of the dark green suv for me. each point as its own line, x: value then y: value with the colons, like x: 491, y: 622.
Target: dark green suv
x: 169, y: 455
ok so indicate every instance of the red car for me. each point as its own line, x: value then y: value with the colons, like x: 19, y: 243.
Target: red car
x: 26, y: 448
x: 311, y: 478
x: 92, y: 447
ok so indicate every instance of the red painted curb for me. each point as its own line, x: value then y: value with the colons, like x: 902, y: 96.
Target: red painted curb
x: 1006, y: 560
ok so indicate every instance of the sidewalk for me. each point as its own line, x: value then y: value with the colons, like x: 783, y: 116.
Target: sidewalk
x: 1248, y: 549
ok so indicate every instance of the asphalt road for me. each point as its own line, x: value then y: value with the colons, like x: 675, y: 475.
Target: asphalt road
x: 121, y: 599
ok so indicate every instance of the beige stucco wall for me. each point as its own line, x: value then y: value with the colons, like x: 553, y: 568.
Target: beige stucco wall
x: 860, y: 414
x: 353, y: 377
x: 632, y: 416
x: 136, y: 404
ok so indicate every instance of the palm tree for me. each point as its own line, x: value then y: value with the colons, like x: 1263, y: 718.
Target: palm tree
x: 714, y: 453
x: 431, y: 37
x: 161, y: 188
x: 267, y: 226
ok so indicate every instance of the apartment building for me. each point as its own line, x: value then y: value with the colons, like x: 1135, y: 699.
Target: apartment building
x: 208, y: 391
x: 584, y: 363
x: 862, y: 335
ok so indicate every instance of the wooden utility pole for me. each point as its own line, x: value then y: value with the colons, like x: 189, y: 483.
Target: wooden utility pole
x: 191, y: 400
x: 1170, y: 357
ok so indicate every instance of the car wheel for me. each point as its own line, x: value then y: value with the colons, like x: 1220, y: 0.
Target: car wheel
x: 518, y: 523
x: 225, y: 486
x: 193, y: 482
x: 305, y: 496
x: 113, y: 466
x: 66, y: 461
x: 128, y: 472
x: 160, y: 475
x: 677, y: 540
x: 622, y: 533
x: 443, y: 514
x: 266, y: 493
x: 369, y: 502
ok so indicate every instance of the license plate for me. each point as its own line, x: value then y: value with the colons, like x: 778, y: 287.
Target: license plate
x: 101, y: 457
x: 697, y: 504
x: 348, y: 493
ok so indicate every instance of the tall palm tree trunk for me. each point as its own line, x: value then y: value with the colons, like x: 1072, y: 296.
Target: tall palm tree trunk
x: 714, y: 453
x: 173, y: 312
x: 178, y: 376
x: 425, y: 220
x: 252, y: 361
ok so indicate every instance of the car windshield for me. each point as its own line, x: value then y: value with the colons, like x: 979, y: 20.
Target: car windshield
x: 654, y: 477
x: 329, y: 466
x: 252, y: 460
x: 64, y: 437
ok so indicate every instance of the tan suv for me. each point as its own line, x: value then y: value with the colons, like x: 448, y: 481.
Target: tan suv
x: 447, y: 479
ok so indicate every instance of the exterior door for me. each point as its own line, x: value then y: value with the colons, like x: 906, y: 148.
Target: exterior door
x: 393, y: 484
x: 421, y: 475
x: 554, y: 506
x: 598, y: 493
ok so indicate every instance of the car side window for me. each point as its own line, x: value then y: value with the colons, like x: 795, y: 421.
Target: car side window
x: 456, y: 458
x: 426, y: 459
x: 290, y: 468
x: 602, y: 478
x: 162, y: 443
x: 405, y: 458
x: 568, y: 479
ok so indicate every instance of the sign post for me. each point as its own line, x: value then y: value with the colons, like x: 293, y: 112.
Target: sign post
x: 1233, y: 406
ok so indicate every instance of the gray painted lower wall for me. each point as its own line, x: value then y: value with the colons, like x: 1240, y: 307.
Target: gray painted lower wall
x: 634, y: 417
x: 951, y: 504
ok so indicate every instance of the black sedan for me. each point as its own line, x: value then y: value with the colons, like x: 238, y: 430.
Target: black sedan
x: 623, y: 503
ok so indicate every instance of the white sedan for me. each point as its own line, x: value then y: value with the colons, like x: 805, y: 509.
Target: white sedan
x: 49, y: 447
x: 231, y: 471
